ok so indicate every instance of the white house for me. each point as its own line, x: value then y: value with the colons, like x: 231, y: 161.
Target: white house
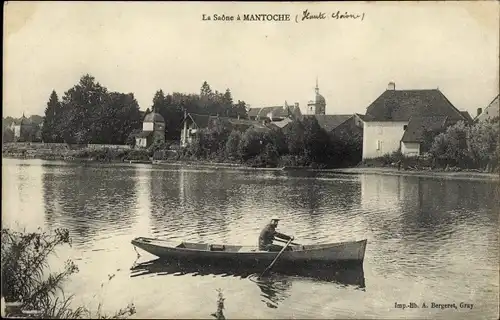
x: 490, y: 112
x: 388, y: 117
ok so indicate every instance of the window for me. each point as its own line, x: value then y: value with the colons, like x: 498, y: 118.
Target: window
x: 378, y: 142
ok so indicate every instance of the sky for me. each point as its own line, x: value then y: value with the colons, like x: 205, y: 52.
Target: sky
x: 141, y: 47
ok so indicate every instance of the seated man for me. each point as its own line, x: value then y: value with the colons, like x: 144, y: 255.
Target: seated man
x: 269, y: 234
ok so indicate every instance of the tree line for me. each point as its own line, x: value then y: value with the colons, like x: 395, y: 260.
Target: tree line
x: 90, y: 113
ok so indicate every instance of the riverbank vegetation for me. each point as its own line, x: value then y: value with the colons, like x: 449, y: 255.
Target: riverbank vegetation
x: 460, y: 147
x: 26, y: 278
x: 302, y: 143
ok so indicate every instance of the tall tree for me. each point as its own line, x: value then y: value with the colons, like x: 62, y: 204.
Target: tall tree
x: 227, y: 104
x: 82, y: 109
x: 240, y: 109
x: 50, y: 132
x: 159, y: 101
x: 122, y: 117
x: 316, y: 140
x: 295, y: 135
x: 205, y: 90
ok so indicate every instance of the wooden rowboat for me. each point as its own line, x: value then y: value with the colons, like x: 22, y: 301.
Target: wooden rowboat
x: 342, y: 252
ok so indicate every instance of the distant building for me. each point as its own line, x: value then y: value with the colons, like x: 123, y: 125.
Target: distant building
x: 274, y: 113
x: 317, y: 105
x: 23, y: 129
x: 395, y: 112
x: 340, y: 124
x: 153, y: 130
x: 193, y: 123
x: 490, y: 112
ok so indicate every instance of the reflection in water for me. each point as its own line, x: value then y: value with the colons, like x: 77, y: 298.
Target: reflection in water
x: 89, y: 200
x: 426, y: 219
x: 274, y: 287
x: 184, y: 202
x: 22, y: 201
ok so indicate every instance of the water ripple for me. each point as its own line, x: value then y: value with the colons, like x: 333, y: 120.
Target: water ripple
x: 428, y: 239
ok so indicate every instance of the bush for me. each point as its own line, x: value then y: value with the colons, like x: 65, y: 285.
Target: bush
x: 137, y: 154
x: 482, y: 144
x: 464, y: 146
x: 451, y: 146
x: 232, y: 145
x: 390, y: 159
x: 104, y: 155
x: 25, y: 279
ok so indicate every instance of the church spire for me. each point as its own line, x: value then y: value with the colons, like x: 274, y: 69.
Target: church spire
x: 317, y: 86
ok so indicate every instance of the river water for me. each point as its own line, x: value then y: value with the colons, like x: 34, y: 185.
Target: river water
x: 429, y: 240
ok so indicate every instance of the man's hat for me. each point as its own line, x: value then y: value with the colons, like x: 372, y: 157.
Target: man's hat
x: 275, y: 219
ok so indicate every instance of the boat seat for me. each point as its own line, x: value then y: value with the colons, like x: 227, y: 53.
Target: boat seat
x: 217, y: 247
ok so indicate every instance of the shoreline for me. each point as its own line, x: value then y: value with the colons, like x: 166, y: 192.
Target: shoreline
x: 467, y: 175
x: 461, y: 175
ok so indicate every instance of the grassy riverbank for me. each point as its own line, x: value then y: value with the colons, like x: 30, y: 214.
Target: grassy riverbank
x: 470, y: 175
x: 62, y: 151
x: 467, y: 175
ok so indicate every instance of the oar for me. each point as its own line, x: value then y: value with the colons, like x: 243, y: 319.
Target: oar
x: 279, y: 240
x: 275, y: 259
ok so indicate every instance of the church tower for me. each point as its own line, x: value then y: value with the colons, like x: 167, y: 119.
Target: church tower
x: 317, y: 105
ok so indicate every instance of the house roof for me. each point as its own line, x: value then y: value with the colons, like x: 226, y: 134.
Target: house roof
x: 365, y: 117
x: 418, y: 125
x: 23, y: 121
x: 331, y: 121
x: 200, y: 120
x: 401, y: 105
x: 204, y: 121
x: 153, y: 117
x: 282, y: 123
x: 277, y: 111
x: 467, y: 116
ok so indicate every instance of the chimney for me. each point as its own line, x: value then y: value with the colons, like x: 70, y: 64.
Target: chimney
x: 391, y: 86
x: 479, y: 111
